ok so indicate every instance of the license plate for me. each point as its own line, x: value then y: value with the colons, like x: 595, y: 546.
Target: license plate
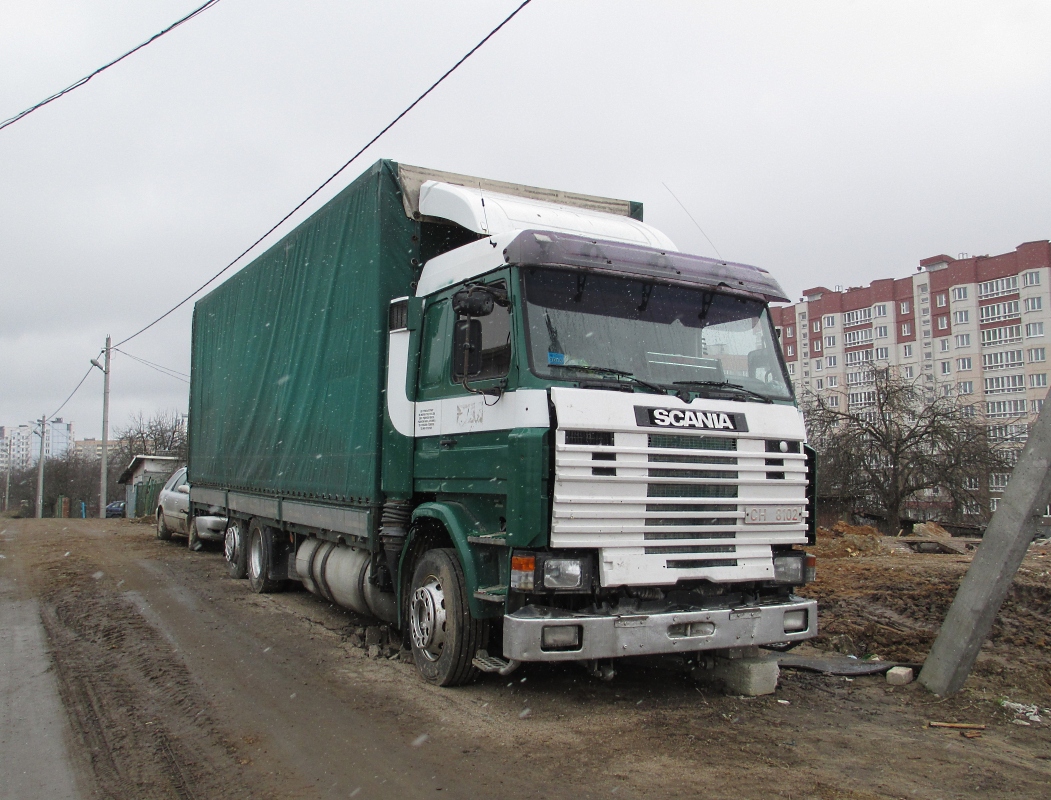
x: 772, y: 515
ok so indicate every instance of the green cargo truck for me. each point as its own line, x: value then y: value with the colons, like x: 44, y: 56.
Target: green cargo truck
x: 515, y: 423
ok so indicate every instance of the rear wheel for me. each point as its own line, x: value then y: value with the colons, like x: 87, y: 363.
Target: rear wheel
x: 235, y: 548
x: 193, y: 541
x: 163, y: 531
x: 444, y: 635
x: 261, y: 559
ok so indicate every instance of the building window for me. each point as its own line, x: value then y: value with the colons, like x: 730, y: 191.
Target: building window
x: 991, y: 337
x: 1034, y: 303
x: 790, y: 349
x: 1038, y: 380
x: 961, y: 317
x: 908, y: 372
x: 833, y: 401
x: 857, y: 317
x: 1005, y: 359
x: 1037, y: 354
x: 959, y: 293
x: 881, y: 331
x: 906, y: 306
x: 830, y: 320
x: 820, y: 383
x: 906, y: 329
x: 1005, y: 383
x: 945, y: 368
x: 993, y: 503
x: 818, y: 365
x: 963, y: 340
x: 817, y: 326
x: 880, y: 310
x: 1005, y: 408
x: 998, y: 287
x: 944, y: 345
x: 1034, y: 329
x: 943, y: 323
x: 816, y: 345
x: 790, y: 331
x: 998, y: 480
x: 925, y: 311
x: 941, y: 300
x: 906, y: 351
x: 1036, y: 406
x: 1031, y: 279
x: 923, y: 288
x: 963, y: 364
x: 792, y: 369
x: 882, y: 353
x: 830, y: 341
x: 965, y: 387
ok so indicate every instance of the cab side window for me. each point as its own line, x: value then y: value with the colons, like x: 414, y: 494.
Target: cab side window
x: 496, y: 342
x: 437, y: 333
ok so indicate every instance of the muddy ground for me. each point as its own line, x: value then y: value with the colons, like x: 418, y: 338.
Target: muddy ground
x: 179, y: 682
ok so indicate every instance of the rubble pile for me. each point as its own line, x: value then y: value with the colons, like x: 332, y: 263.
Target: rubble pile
x: 843, y: 540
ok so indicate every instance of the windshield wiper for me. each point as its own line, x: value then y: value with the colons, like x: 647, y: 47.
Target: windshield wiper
x: 723, y: 385
x: 620, y: 373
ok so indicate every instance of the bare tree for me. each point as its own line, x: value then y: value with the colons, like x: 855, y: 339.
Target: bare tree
x: 899, y: 443
x: 163, y: 433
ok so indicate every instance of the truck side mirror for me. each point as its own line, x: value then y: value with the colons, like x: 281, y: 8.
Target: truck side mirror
x: 473, y: 302
x: 467, y: 348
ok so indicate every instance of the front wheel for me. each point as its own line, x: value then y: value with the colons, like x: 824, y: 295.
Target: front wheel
x: 235, y: 548
x: 444, y: 635
x: 193, y: 540
x: 163, y: 531
x: 261, y: 559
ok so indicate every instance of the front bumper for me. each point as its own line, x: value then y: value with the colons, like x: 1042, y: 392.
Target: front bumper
x: 609, y: 636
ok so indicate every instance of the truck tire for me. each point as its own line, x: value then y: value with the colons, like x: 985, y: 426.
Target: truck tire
x: 261, y: 558
x: 235, y: 548
x: 443, y: 634
x: 163, y: 531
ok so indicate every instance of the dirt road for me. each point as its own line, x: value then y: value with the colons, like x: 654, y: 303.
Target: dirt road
x: 178, y: 682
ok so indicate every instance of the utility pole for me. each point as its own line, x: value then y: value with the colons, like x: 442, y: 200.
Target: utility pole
x: 7, y: 482
x: 105, y: 428
x: 40, y: 472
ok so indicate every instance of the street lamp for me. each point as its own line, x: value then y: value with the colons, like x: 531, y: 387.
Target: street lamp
x: 105, y: 426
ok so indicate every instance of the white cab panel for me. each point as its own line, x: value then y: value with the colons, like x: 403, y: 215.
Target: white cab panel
x: 526, y: 408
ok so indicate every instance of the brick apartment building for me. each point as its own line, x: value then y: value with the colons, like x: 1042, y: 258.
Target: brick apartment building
x: 976, y: 326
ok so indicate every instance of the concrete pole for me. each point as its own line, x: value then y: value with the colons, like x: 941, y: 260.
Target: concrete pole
x: 40, y: 472
x: 1004, y: 545
x: 7, y: 481
x: 105, y: 433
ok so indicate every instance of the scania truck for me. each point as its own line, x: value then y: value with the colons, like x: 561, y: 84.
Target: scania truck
x: 517, y: 424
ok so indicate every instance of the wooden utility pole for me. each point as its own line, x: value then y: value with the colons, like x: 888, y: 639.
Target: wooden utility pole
x: 1004, y: 545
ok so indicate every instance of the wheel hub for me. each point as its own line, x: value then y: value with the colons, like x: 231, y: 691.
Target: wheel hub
x: 427, y: 619
x: 230, y: 544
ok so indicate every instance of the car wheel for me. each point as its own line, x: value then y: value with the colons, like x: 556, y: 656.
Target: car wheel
x: 163, y: 531
x: 261, y: 559
x: 193, y: 541
x: 235, y: 548
x: 443, y: 634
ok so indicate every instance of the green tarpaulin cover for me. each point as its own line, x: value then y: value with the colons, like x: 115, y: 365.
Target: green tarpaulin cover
x: 289, y: 354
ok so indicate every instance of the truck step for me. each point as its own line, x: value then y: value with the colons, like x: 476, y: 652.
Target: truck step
x: 492, y: 594
x: 484, y: 662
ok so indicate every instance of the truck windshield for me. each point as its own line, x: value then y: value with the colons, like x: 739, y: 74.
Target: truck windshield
x: 582, y: 324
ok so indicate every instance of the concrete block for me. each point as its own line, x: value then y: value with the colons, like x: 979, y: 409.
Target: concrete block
x: 899, y: 676
x: 750, y: 677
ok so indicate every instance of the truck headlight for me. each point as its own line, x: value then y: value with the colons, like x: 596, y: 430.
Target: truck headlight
x: 789, y: 569
x: 560, y: 637
x: 563, y: 573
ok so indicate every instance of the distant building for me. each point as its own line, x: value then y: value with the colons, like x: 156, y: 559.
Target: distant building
x: 92, y: 448
x: 977, y: 327
x: 20, y: 446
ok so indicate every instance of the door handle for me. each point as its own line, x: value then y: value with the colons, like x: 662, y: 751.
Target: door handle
x: 447, y: 443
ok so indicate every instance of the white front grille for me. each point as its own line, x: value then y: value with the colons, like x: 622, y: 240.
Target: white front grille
x: 665, y: 506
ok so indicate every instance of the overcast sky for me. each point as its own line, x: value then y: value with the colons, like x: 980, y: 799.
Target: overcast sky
x: 830, y: 143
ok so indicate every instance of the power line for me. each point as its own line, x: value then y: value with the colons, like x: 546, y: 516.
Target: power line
x: 331, y: 177
x: 103, y: 68
x: 695, y: 222
x: 171, y: 373
x: 55, y: 412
